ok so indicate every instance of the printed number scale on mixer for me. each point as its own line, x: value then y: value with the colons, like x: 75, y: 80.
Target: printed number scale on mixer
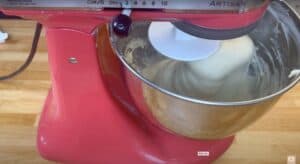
x: 139, y: 4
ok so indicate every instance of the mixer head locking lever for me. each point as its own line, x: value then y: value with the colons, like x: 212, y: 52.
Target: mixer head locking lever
x: 121, y: 23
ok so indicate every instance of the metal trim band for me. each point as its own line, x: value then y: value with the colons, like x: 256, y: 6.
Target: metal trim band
x: 230, y: 5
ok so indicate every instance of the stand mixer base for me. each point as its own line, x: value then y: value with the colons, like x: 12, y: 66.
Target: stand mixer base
x: 114, y: 137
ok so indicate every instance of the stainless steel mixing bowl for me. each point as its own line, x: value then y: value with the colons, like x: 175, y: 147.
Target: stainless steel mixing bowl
x: 273, y: 70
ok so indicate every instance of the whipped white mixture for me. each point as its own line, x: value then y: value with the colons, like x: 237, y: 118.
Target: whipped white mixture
x: 217, y: 76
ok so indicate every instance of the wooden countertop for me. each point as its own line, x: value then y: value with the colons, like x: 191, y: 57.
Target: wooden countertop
x: 269, y: 140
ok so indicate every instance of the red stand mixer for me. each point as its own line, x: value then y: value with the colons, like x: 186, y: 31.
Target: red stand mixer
x: 85, y: 121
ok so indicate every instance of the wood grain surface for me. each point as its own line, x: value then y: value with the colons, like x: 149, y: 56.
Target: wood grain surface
x: 269, y: 140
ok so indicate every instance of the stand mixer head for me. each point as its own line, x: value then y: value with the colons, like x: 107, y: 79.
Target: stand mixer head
x: 207, y: 14
x: 209, y: 19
